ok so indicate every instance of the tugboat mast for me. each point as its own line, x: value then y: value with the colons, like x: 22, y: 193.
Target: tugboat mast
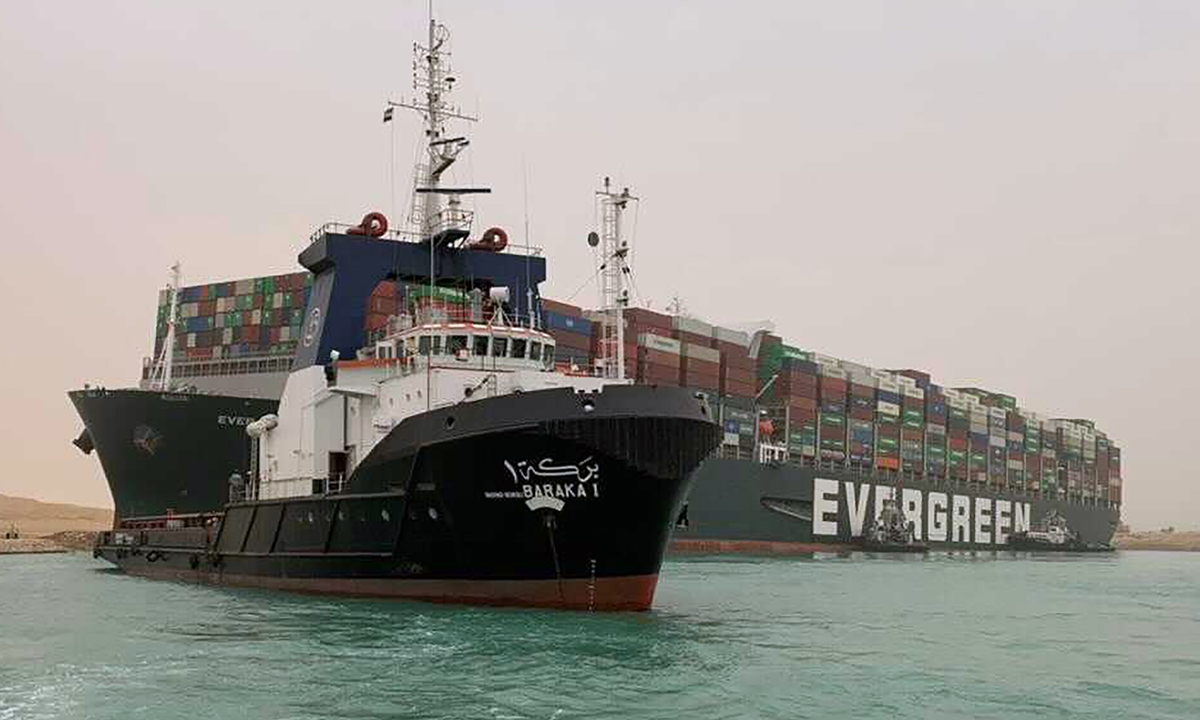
x: 614, y: 266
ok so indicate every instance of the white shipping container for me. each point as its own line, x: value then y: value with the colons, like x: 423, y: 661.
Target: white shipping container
x: 699, y: 352
x: 883, y: 375
x: 276, y: 301
x: 998, y: 414
x: 191, y: 340
x: 887, y: 385
x: 914, y: 392
x: 692, y: 325
x: 227, y: 336
x: 731, y: 336
x: 1016, y: 464
x: 244, y: 287
x: 997, y: 441
x: 190, y: 309
x: 888, y: 408
x: 216, y: 352
x: 651, y: 341
x: 822, y: 359
x: 285, y: 333
x: 906, y: 381
x: 855, y: 369
x: 951, y: 394
x: 256, y: 317
x: 864, y: 379
x: 956, y: 402
x: 831, y: 372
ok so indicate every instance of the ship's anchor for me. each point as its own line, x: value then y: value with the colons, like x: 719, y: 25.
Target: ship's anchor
x: 548, y: 518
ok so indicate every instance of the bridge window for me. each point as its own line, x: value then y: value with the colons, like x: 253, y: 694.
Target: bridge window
x: 481, y: 345
x: 499, y: 347
x: 518, y: 348
x: 423, y: 345
x: 535, y: 351
x: 437, y: 344
x: 456, y: 344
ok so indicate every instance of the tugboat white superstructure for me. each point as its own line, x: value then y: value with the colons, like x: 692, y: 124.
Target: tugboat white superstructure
x: 445, y: 459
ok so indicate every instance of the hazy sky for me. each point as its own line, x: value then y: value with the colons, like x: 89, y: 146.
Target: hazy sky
x: 1004, y: 194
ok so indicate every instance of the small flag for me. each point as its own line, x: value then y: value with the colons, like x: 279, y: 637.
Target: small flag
x: 387, y: 114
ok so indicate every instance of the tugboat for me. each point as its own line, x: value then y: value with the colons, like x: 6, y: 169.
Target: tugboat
x: 891, y: 532
x: 448, y: 460
x: 1054, y: 534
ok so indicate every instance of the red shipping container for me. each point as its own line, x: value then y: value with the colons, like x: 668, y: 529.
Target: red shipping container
x: 832, y: 387
x: 687, y: 337
x: 745, y: 390
x: 864, y: 391
x: 799, y: 415
x: 887, y: 463
x: 648, y: 318
x: 659, y: 357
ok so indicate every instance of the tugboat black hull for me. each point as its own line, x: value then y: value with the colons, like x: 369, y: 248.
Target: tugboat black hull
x: 483, y: 503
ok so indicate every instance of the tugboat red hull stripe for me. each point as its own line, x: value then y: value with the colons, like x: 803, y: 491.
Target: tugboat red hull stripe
x: 633, y: 592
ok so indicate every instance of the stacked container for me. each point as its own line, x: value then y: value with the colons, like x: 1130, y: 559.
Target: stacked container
x: 978, y: 441
x: 888, y: 404
x: 658, y: 359
x: 737, y: 369
x: 1050, y: 470
x: 572, y: 333
x: 1114, y: 473
x: 861, y: 413
x: 833, y: 388
x: 912, y: 427
x: 1033, y: 453
x: 255, y: 316
x: 700, y: 367
x: 935, y: 431
x: 958, y: 425
x: 997, y: 446
x: 645, y: 359
x: 1016, y: 451
x: 797, y: 389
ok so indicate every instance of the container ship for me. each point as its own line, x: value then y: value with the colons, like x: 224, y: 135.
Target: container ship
x: 813, y: 446
x: 438, y: 455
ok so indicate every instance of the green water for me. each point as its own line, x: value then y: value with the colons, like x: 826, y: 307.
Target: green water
x: 948, y: 636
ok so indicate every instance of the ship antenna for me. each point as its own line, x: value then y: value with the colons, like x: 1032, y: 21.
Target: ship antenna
x: 429, y: 221
x: 613, y: 267
x: 161, y: 380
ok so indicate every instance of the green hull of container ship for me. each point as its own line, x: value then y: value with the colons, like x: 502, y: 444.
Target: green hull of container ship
x: 740, y: 506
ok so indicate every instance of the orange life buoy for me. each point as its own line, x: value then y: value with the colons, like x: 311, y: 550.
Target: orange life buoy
x: 374, y: 224
x: 494, y: 239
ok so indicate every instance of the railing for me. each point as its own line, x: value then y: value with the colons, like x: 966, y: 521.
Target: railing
x: 514, y: 248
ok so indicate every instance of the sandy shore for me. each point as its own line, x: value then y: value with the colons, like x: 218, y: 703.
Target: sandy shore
x: 30, y: 546
x: 1184, y: 541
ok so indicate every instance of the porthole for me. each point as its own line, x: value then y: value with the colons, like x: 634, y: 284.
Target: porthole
x: 449, y: 422
x: 433, y: 513
x: 385, y: 515
x: 589, y: 405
